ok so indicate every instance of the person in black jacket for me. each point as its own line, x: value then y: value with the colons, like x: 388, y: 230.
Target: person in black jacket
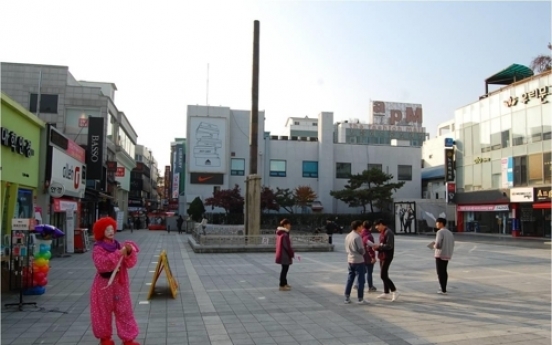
x: 386, y: 251
x: 331, y: 228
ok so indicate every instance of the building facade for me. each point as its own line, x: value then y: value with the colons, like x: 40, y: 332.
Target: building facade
x: 503, y: 157
x: 20, y: 165
x: 85, y: 112
x: 143, y: 183
x: 217, y: 157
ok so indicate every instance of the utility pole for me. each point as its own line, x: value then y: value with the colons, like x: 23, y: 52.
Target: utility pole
x: 253, y: 181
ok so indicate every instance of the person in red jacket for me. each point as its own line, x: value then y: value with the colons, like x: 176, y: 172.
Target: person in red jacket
x: 284, y: 252
x: 370, y: 255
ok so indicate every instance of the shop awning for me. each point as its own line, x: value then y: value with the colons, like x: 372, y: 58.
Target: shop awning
x: 542, y: 205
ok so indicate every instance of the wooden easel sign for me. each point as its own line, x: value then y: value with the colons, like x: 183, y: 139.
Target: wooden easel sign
x: 163, y: 264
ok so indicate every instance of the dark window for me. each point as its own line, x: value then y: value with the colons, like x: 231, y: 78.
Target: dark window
x: 310, y: 169
x: 547, y: 162
x: 237, y: 167
x: 520, y: 171
x: 277, y: 168
x: 315, y: 124
x: 375, y: 166
x: 342, y: 170
x: 296, y: 123
x: 404, y: 172
x: 506, y: 138
x: 216, y: 189
x: 48, y: 103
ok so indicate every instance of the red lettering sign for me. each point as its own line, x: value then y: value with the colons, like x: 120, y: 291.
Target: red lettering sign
x: 77, y: 178
x: 120, y: 172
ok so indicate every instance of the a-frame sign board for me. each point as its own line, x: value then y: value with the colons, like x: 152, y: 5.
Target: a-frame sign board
x: 163, y: 264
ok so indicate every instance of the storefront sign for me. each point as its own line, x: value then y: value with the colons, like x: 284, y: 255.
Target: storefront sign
x: 507, y: 170
x: 480, y: 160
x: 449, y: 142
x: 206, y: 178
x: 22, y: 224
x: 56, y: 189
x: 68, y: 172
x: 111, y: 166
x: 543, y: 194
x: 449, y: 165
x: 120, y: 172
x: 17, y: 143
x: 451, y: 192
x: 94, y: 157
x: 483, y: 208
x: 391, y: 113
x: 521, y: 194
x: 167, y: 178
x: 63, y: 205
x: 540, y: 93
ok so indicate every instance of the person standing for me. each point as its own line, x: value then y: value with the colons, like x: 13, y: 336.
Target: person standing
x: 331, y: 228
x: 112, y: 257
x: 179, y: 223
x: 370, y: 255
x: 355, y: 258
x: 444, y: 248
x: 284, y: 252
x: 386, y: 251
x: 137, y: 223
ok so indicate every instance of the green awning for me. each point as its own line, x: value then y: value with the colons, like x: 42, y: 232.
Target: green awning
x: 510, y: 75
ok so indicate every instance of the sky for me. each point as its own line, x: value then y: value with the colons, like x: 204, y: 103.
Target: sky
x: 314, y: 55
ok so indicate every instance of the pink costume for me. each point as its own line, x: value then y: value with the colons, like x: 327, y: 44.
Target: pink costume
x: 115, y: 298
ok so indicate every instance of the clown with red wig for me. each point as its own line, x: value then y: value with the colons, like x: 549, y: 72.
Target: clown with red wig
x: 107, y: 296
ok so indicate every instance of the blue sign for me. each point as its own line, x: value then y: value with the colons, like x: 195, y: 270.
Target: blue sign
x: 510, y: 172
x: 449, y: 142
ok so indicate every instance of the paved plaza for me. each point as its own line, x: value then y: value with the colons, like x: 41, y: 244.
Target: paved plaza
x: 498, y: 294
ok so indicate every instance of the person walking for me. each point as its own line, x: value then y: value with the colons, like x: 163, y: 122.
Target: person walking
x: 284, y: 252
x: 369, y: 256
x: 355, y: 258
x: 444, y: 248
x: 386, y: 251
x: 137, y: 223
x: 179, y: 223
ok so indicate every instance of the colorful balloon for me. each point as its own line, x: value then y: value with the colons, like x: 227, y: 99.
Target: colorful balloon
x: 43, y: 282
x: 40, y: 262
x: 46, y: 255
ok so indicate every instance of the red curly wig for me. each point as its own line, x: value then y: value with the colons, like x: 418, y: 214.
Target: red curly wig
x: 102, y: 224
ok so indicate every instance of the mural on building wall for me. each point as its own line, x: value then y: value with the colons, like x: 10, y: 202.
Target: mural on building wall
x: 405, y: 218
x: 208, y: 144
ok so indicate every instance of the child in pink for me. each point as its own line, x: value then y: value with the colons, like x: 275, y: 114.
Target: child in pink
x: 113, y: 299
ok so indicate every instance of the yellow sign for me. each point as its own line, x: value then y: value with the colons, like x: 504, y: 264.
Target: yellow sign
x: 163, y: 263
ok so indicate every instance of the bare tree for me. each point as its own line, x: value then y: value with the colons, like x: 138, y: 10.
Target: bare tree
x: 542, y: 63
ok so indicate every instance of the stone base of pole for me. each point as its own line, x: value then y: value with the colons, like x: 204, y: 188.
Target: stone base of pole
x: 252, y: 206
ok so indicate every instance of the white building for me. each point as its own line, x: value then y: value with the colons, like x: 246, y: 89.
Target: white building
x: 217, y: 156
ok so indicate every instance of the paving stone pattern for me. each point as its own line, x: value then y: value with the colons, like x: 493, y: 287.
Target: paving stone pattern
x: 497, y: 295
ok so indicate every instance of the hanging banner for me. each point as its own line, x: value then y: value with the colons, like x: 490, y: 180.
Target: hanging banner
x: 94, y: 150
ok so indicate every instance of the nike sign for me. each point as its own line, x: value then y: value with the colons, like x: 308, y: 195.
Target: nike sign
x: 203, y: 179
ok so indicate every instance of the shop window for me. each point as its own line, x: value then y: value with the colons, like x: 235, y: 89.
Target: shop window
x: 375, y: 166
x: 534, y: 124
x: 342, y: 170
x: 24, y: 205
x: 277, y: 168
x: 520, y: 171
x: 505, y: 138
x: 310, y: 169
x: 48, y: 103
x: 237, y: 167
x: 535, y: 169
x: 496, y: 181
x: 404, y: 172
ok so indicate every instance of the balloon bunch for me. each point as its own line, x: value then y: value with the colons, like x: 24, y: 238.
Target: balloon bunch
x: 37, y: 279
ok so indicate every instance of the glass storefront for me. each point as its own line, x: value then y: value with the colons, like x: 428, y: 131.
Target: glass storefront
x: 487, y: 222
x: 535, y: 222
